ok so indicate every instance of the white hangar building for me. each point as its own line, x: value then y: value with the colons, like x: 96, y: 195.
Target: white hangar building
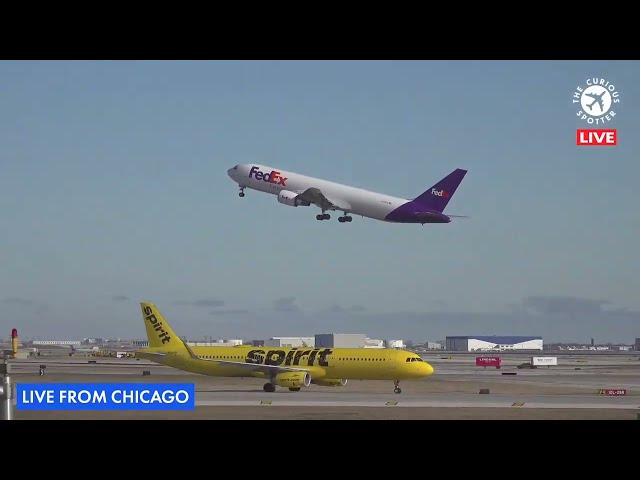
x: 492, y: 343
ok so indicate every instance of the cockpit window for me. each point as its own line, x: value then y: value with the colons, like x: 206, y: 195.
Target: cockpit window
x: 408, y: 359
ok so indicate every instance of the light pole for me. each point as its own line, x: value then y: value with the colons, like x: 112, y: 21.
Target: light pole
x: 6, y: 392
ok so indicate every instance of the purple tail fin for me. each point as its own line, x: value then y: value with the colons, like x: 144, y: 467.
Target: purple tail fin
x: 437, y: 197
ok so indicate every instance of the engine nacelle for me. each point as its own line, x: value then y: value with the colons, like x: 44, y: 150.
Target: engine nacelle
x: 293, y: 379
x: 331, y: 382
x: 290, y: 198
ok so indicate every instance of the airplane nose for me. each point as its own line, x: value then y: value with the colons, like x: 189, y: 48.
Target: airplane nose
x: 427, y: 369
x: 234, y: 172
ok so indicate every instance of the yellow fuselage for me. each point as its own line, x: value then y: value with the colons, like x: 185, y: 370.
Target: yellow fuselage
x: 329, y: 363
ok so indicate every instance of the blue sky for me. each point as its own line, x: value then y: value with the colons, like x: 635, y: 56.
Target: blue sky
x: 113, y: 189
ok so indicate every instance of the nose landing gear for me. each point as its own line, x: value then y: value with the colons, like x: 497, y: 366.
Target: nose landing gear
x: 241, y: 194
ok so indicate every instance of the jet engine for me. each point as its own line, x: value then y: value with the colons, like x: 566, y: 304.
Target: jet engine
x: 291, y: 198
x: 293, y: 379
x: 331, y: 382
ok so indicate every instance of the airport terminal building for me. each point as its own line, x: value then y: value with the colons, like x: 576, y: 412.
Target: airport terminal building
x: 290, y: 342
x: 340, y: 340
x: 492, y: 343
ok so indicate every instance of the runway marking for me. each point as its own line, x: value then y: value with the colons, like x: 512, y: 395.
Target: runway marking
x: 391, y: 403
x: 517, y: 404
x: 413, y: 404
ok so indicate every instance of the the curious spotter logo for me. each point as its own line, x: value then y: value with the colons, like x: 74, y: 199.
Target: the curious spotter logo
x: 596, y: 99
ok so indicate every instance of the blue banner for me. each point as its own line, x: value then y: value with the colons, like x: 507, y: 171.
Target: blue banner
x: 105, y: 396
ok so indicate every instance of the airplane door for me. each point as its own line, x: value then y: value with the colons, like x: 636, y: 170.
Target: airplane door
x: 392, y: 365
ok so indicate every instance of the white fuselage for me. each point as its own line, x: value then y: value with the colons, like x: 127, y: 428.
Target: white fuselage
x: 355, y: 200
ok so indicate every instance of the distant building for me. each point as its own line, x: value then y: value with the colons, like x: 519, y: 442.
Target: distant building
x: 140, y: 343
x: 257, y: 343
x: 396, y: 344
x: 569, y: 346
x: 493, y: 343
x: 232, y: 342
x: 590, y: 348
x: 433, y: 346
x: 56, y: 342
x: 637, y: 344
x: 290, y: 342
x: 340, y: 340
x: 373, y: 343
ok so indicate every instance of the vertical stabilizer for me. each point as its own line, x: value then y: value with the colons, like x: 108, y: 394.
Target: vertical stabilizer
x: 436, y: 198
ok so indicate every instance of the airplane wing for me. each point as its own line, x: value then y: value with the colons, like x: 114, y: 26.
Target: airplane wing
x: 434, y: 216
x: 428, y: 216
x: 151, y: 354
x: 315, y: 196
x: 254, y: 367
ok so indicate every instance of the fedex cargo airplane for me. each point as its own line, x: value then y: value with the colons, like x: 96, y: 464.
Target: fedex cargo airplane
x: 298, y: 190
x: 292, y: 368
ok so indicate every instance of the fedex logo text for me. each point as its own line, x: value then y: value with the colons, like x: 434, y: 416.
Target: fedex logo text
x: 593, y: 137
x: 273, y: 177
x: 439, y: 193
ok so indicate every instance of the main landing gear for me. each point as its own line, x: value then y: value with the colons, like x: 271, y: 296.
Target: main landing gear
x: 269, y: 387
x: 396, y: 384
x: 326, y: 216
x: 241, y: 194
x: 345, y: 218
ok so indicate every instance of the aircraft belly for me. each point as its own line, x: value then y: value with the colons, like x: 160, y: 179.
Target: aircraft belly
x: 368, y: 204
x: 379, y: 212
x: 263, y: 187
x: 376, y: 208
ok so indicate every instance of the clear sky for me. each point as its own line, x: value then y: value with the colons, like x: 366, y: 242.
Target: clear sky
x: 113, y: 189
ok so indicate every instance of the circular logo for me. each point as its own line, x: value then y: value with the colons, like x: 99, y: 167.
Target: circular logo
x: 597, y: 98
x: 595, y: 101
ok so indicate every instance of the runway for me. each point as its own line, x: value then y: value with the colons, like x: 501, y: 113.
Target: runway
x: 433, y: 400
x: 452, y: 393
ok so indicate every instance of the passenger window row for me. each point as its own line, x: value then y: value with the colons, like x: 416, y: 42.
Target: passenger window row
x: 358, y: 359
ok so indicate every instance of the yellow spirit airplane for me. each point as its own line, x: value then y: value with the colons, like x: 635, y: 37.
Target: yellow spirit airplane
x: 285, y: 367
